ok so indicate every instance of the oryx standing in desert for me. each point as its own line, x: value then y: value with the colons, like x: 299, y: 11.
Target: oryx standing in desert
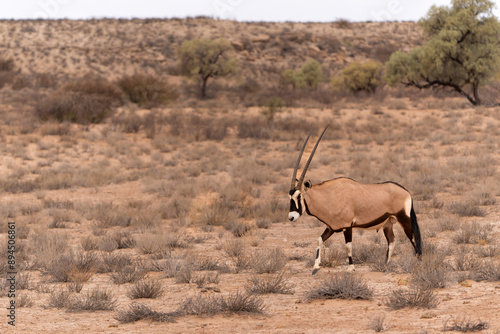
x: 343, y: 204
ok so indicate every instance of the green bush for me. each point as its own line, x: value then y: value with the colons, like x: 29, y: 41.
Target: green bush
x: 310, y: 75
x: 360, y: 77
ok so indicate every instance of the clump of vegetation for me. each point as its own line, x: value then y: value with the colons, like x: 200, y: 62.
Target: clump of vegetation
x: 146, y: 288
x: 87, y: 100
x: 137, y: 311
x: 146, y: 90
x: 235, y: 303
x: 461, y: 53
x: 310, y: 75
x: 413, y: 297
x: 203, y: 59
x: 360, y: 77
x: 96, y: 299
x: 464, y: 325
x: 276, y: 283
x: 341, y: 286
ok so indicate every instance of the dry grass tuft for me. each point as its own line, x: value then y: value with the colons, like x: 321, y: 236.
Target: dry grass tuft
x: 234, y: 303
x: 268, y: 261
x: 137, y: 312
x: 263, y: 284
x: 340, y: 286
x: 146, y: 288
x: 413, y: 297
x: 464, y: 325
x: 96, y: 299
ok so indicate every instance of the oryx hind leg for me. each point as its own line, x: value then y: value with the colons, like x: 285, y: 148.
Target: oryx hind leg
x: 405, y: 221
x: 348, y: 246
x: 326, y: 234
x: 389, y: 235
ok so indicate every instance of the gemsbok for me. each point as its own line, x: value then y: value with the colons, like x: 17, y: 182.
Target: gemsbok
x: 343, y: 204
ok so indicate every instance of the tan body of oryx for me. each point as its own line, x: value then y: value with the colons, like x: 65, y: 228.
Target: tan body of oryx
x: 343, y: 204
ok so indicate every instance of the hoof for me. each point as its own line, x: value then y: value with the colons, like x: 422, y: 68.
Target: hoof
x: 315, y: 270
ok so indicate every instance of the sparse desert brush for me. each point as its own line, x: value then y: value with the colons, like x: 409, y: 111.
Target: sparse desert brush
x: 268, y: 260
x: 487, y: 271
x: 340, y: 286
x: 97, y: 299
x: 234, y: 303
x: 77, y: 107
x: 204, y: 279
x: 146, y: 288
x: 269, y: 283
x: 137, y: 312
x: 237, y: 250
x: 129, y: 273
x: 238, y: 228
x: 149, y: 243
x: 473, y: 233
x: 73, y: 267
x: 113, y: 261
x: 47, y: 246
x: 58, y: 299
x: 465, y: 260
x: 96, y: 86
x: 431, y: 272
x: 377, y: 323
x: 413, y: 297
x: 146, y: 90
x: 107, y: 214
x: 464, y: 324
x: 467, y: 208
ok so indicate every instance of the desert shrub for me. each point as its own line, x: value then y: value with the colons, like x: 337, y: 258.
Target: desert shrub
x: 83, y: 101
x: 413, y: 297
x: 96, y: 299
x: 464, y: 325
x: 238, y: 252
x: 234, y: 303
x: 128, y: 274
x: 6, y: 64
x: 377, y: 323
x: 360, y: 77
x: 73, y: 267
x: 96, y: 87
x: 467, y: 209
x: 137, y: 312
x: 238, y: 229
x: 113, y: 261
x: 183, y: 275
x: 47, y: 246
x: 255, y: 127
x: 268, y: 260
x: 202, y: 280
x: 146, y: 288
x: 472, y: 233
x: 275, y: 283
x: 487, y: 271
x: 24, y: 301
x: 146, y: 90
x: 432, y: 271
x: 58, y: 299
x: 310, y: 75
x: 340, y: 286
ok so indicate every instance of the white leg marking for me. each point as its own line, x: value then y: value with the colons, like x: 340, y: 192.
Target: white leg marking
x: 391, y: 249
x: 348, y: 246
x: 408, y: 203
x: 318, y: 253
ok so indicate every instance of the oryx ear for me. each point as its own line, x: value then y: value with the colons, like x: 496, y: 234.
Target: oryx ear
x: 308, y: 184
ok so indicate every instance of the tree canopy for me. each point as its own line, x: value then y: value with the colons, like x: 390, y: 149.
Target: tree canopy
x: 462, y: 51
x: 206, y: 58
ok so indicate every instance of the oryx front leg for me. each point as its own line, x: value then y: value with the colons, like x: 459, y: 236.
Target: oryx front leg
x: 326, y: 234
x: 348, y: 246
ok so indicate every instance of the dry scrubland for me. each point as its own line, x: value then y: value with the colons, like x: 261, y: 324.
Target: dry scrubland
x: 173, y: 219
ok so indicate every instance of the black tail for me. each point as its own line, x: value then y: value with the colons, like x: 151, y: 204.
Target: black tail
x: 416, y: 231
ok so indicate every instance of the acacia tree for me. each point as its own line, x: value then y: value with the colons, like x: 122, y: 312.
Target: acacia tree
x: 462, y: 52
x: 206, y: 58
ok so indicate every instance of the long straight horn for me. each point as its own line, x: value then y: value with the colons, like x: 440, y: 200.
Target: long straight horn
x: 310, y: 158
x: 298, y: 161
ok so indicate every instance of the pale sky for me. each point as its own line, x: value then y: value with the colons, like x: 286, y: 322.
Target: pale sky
x: 241, y: 10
